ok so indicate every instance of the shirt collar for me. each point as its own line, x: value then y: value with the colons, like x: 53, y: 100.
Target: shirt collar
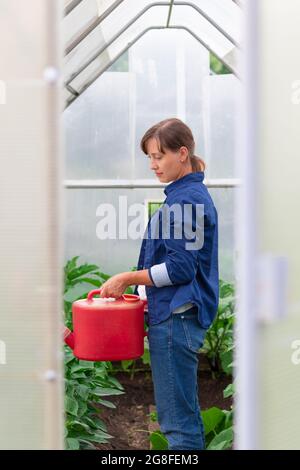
x: 197, y: 177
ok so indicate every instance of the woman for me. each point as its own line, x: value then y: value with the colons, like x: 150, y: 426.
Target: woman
x: 181, y: 278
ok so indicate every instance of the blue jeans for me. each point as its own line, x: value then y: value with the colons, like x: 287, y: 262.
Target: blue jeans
x: 173, y: 346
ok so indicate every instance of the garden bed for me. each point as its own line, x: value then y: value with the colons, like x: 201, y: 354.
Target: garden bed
x: 130, y: 423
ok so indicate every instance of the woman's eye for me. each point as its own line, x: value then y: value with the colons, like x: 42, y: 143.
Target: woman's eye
x: 155, y: 158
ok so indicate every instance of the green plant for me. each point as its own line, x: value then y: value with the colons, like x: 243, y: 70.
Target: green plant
x: 158, y: 441
x: 153, y: 416
x: 78, y: 281
x: 86, y: 383
x: 217, y: 66
x: 219, y: 343
x: 153, y: 206
x: 130, y: 365
x: 218, y: 425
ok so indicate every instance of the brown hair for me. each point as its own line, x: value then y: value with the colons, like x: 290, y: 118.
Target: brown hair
x: 171, y: 134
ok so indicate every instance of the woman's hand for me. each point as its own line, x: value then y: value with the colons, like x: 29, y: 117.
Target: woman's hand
x: 115, y: 286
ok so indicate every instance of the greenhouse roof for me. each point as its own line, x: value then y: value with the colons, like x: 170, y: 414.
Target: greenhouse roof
x: 98, y: 32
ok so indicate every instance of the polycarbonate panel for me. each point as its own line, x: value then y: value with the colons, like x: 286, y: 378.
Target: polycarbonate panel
x: 68, y: 96
x: 278, y: 223
x: 152, y: 17
x: 98, y: 130
x: 221, y: 112
x: 169, y: 68
x: 216, y: 41
x: 105, y: 124
x: 31, y: 405
x: 106, y: 31
x: 228, y: 254
x: 82, y: 16
x: 118, y: 255
x: 225, y: 13
x: 96, y: 47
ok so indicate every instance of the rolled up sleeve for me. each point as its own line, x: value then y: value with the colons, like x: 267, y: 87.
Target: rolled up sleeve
x: 159, y: 275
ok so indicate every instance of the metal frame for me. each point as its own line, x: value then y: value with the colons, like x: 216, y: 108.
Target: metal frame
x: 72, y: 91
x: 70, y: 6
x: 92, y: 26
x: 88, y: 84
x: 142, y: 183
x: 239, y: 3
x: 107, y: 12
x: 139, y: 15
x: 170, y: 12
x: 246, y: 229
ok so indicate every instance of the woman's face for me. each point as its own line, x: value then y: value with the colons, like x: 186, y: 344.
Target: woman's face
x: 168, y: 166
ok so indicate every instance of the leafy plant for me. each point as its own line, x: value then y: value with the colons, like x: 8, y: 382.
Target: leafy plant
x: 130, y: 365
x: 158, y: 441
x: 78, y: 281
x: 218, y: 427
x: 87, y: 384
x: 219, y: 341
x: 153, y: 206
x: 217, y: 66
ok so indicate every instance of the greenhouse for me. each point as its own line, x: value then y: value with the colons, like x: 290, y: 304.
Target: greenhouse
x: 82, y: 84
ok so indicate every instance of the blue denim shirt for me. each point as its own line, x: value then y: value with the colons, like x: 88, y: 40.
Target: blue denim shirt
x: 181, y: 274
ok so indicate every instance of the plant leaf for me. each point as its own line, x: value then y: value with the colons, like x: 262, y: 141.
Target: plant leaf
x: 211, y: 418
x: 158, y: 441
x: 72, y: 443
x: 71, y: 405
x: 228, y: 391
x: 223, y: 440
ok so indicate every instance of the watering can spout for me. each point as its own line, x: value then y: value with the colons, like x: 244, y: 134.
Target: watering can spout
x: 69, y: 338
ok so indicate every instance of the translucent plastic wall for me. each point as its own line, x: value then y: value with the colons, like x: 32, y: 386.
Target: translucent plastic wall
x: 97, y: 32
x: 99, y: 130
x: 267, y: 406
x: 30, y: 362
x: 221, y: 110
x: 279, y: 190
x: 169, y: 69
x: 105, y: 124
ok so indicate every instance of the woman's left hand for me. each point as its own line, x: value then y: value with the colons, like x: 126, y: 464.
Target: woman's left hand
x: 115, y: 286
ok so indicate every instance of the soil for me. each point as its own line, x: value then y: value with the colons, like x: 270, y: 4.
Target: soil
x: 130, y: 423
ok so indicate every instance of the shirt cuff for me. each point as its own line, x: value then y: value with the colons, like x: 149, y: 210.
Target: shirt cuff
x: 159, y: 275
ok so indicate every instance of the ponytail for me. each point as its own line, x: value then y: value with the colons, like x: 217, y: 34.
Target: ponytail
x: 197, y: 164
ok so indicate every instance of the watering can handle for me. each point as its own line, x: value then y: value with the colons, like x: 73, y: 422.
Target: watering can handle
x: 126, y: 297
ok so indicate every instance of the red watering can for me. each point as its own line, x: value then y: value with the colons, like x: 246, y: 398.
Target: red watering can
x: 107, y: 329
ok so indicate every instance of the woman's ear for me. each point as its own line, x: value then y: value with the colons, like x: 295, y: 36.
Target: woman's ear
x: 183, y: 154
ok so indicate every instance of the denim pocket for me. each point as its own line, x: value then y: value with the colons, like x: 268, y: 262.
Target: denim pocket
x: 194, y: 333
